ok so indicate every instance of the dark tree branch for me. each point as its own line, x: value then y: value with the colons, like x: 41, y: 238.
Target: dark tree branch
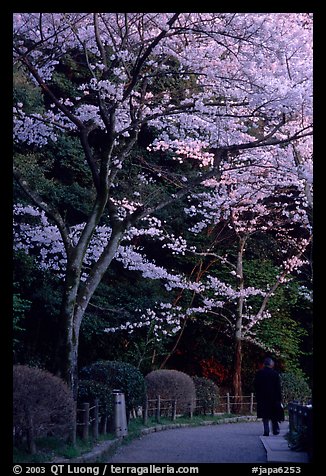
x: 111, y: 309
x: 84, y: 133
x: 139, y: 64
x: 269, y: 140
x: 99, y: 41
x: 47, y: 90
x: 51, y: 212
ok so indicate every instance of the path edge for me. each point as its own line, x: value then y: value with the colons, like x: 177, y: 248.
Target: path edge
x: 102, y: 449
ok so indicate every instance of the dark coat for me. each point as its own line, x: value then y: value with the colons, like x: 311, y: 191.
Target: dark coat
x: 268, y: 393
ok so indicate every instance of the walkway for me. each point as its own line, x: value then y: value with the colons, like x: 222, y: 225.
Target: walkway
x: 224, y: 443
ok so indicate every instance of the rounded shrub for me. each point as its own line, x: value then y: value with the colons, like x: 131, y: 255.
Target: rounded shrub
x: 294, y: 387
x: 172, y: 384
x: 118, y: 376
x: 207, y: 394
x: 43, y: 404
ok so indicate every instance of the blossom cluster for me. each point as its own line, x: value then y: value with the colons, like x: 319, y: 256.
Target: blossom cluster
x: 44, y: 241
x: 163, y: 320
x: 186, y: 149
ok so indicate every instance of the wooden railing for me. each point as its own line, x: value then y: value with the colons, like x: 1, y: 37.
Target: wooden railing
x: 90, y: 422
x: 228, y: 403
x: 159, y: 407
x: 301, y: 425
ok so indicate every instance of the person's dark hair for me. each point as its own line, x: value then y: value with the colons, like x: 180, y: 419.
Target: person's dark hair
x: 268, y: 362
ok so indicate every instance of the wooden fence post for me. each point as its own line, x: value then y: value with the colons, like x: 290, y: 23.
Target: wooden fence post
x: 95, y: 420
x: 145, y: 411
x: 158, y: 408
x: 30, y: 433
x: 174, y: 410
x: 85, y: 421
x: 103, y: 425
x: 251, y: 403
x: 73, y: 434
x: 190, y: 410
x: 228, y: 405
x: 213, y: 406
x: 291, y: 419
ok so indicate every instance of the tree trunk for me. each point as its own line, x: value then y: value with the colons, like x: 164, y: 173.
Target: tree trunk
x: 237, y: 382
x: 74, y: 304
x: 67, y: 349
x: 66, y: 358
x: 237, y: 360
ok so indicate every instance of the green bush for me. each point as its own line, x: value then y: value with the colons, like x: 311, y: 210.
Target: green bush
x: 89, y: 390
x: 42, y: 405
x: 207, y: 394
x: 172, y: 384
x: 294, y: 387
x: 120, y: 376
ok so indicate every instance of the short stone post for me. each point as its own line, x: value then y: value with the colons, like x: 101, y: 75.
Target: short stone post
x: 120, y: 416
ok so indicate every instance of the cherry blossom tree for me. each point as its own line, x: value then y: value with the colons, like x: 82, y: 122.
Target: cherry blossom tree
x: 265, y: 198
x: 213, y: 88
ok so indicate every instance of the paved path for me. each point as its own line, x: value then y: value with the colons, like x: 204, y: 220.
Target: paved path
x: 224, y: 443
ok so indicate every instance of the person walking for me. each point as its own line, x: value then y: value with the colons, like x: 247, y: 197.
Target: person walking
x: 267, y: 386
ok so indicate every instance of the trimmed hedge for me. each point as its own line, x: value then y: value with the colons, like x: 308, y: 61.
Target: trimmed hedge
x: 172, y: 384
x: 294, y: 387
x: 207, y: 394
x: 117, y: 375
x: 43, y: 405
x: 89, y: 390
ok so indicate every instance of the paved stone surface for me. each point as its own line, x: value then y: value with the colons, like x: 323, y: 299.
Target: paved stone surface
x: 224, y: 443
x: 277, y: 449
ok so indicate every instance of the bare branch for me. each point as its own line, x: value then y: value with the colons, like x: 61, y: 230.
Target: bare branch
x: 221, y: 258
x: 111, y: 309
